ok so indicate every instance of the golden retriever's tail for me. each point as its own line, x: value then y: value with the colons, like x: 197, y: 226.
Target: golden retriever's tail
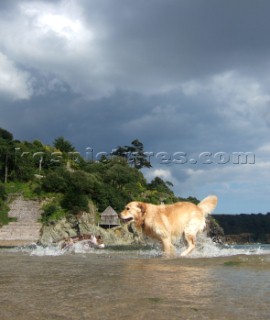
x: 208, y: 204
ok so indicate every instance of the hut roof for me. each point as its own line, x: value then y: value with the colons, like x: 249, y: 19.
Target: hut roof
x: 109, y: 218
x: 109, y: 212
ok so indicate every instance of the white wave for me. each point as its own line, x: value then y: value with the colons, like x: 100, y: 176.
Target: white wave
x: 57, y: 250
x: 47, y: 251
x: 205, y: 248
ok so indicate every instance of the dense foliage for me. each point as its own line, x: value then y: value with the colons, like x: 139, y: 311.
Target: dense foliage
x: 73, y: 182
x: 3, y: 206
x: 134, y: 154
x: 59, y: 173
x: 257, y: 225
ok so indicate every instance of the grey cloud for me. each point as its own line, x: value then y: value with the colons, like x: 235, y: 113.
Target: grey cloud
x: 188, y: 76
x: 149, y: 46
x: 164, y: 42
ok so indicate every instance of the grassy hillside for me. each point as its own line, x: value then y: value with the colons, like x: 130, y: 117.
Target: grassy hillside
x: 59, y: 173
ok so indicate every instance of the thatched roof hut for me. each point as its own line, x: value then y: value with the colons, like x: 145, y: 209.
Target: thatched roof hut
x: 109, y: 218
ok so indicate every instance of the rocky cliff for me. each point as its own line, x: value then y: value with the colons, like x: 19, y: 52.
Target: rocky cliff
x: 70, y: 227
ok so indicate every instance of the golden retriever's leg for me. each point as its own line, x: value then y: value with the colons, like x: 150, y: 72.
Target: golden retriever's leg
x: 190, y: 238
x: 168, y: 247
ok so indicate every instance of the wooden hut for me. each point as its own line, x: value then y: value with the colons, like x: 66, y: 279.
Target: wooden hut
x: 109, y: 218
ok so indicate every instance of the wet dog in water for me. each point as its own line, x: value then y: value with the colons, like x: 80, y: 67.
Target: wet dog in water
x: 166, y: 223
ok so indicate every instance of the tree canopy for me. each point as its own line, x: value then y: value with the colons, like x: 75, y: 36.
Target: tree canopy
x: 63, y: 145
x: 75, y: 181
x: 134, y: 154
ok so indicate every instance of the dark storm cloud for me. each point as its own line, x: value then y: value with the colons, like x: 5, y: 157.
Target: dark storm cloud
x: 181, y: 76
x: 149, y: 46
x: 182, y: 39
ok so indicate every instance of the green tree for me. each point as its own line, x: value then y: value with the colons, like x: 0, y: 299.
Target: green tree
x: 134, y: 154
x: 4, y: 219
x: 30, y: 159
x: 75, y: 202
x: 3, y: 193
x: 161, y: 191
x: 118, y: 183
x: 56, y: 181
x: 139, y: 157
x: 52, y: 211
x: 6, y: 135
x: 6, y: 153
x: 83, y: 182
x: 160, y: 185
x: 191, y: 199
x: 63, y: 145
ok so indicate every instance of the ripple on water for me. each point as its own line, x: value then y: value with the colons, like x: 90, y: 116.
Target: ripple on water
x: 135, y: 282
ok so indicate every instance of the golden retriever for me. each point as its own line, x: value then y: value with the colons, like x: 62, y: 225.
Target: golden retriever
x: 166, y: 223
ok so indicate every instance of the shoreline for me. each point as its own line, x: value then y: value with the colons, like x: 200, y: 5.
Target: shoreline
x: 18, y: 243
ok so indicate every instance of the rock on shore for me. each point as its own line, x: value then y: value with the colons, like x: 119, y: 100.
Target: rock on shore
x: 65, y: 228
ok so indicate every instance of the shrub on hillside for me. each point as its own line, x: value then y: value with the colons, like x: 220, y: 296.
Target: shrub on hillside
x: 55, y: 181
x: 51, y: 212
x: 3, y: 193
x: 75, y: 202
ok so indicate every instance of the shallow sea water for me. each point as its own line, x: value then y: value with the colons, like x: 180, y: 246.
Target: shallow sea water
x: 215, y: 282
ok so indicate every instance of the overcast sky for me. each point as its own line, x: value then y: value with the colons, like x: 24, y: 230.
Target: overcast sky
x: 189, y: 78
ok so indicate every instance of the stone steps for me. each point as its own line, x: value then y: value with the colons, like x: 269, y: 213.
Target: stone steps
x: 24, y: 237
x: 26, y: 229
x: 21, y: 224
x: 20, y: 232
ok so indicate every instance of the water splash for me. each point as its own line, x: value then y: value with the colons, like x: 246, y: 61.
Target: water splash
x: 57, y: 249
x: 47, y: 251
x: 205, y: 248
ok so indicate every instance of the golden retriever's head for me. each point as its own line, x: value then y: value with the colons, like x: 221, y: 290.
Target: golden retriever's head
x: 134, y: 211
